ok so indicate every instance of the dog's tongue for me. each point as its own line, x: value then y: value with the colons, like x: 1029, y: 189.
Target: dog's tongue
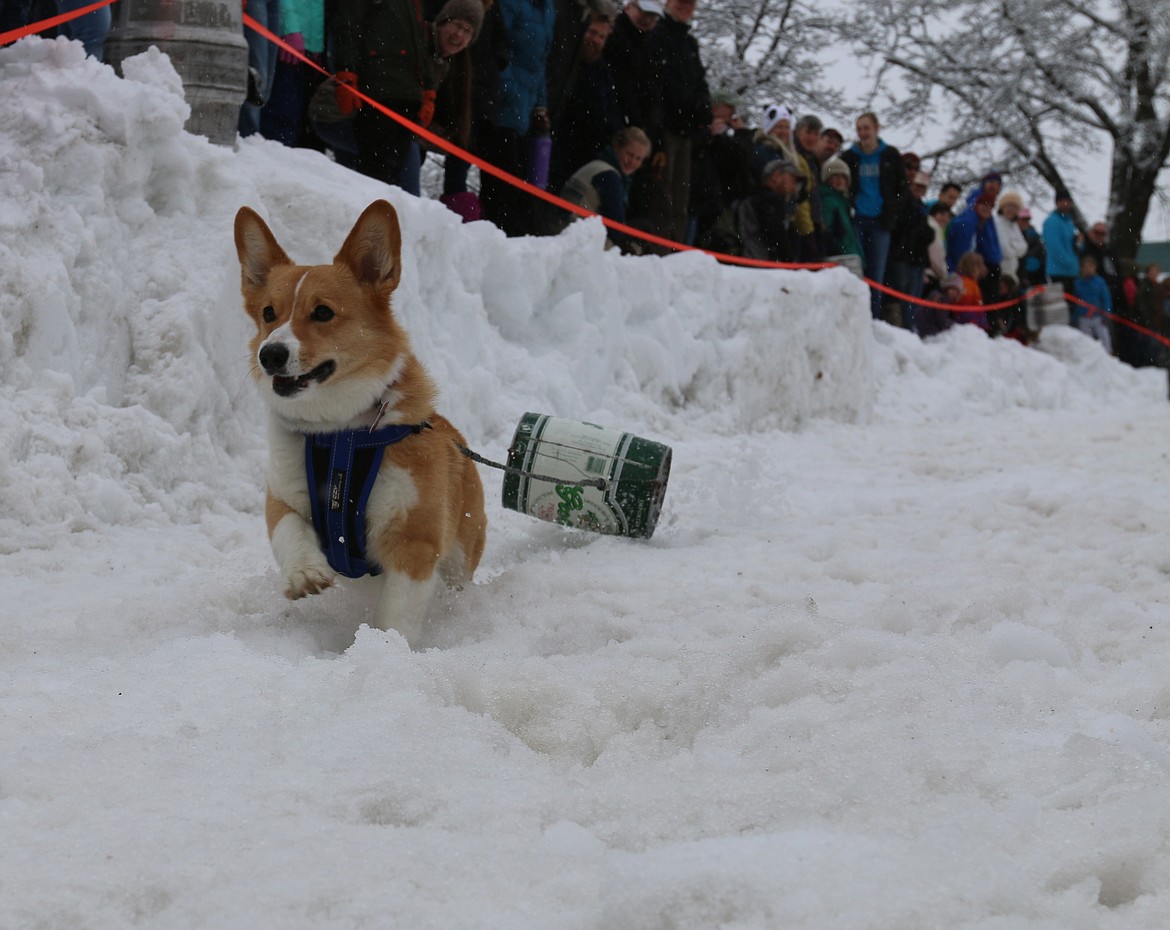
x: 284, y: 385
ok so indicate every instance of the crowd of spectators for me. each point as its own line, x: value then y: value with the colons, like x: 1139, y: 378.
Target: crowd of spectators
x: 609, y: 108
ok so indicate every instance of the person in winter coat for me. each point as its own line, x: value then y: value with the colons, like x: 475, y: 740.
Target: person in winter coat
x: 991, y: 183
x: 572, y: 19
x: 523, y: 90
x: 585, y: 114
x: 638, y: 65
x: 1013, y: 247
x: 686, y: 110
x: 1097, y: 244
x: 938, y: 216
x: 523, y: 107
x: 1032, y: 268
x: 382, y: 49
x: 603, y: 184
x: 774, y: 141
x: 973, y: 230
x: 806, y: 141
x: 722, y: 171
x: 1146, y: 311
x: 909, y: 255
x: 1091, y: 288
x: 933, y: 320
x: 283, y: 117
x: 488, y: 55
x: 840, y: 238
x: 972, y: 270
x: 768, y: 223
x: 262, y: 54
x: 1062, y: 242
x: 456, y: 26
x: 731, y: 148
x: 878, y: 189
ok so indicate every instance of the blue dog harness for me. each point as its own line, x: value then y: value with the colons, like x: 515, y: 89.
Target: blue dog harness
x: 341, y: 468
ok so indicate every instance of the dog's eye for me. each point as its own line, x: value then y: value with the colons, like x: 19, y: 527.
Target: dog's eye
x: 321, y: 314
x: 269, y: 314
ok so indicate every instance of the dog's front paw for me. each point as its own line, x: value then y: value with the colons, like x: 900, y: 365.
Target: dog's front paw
x: 308, y: 579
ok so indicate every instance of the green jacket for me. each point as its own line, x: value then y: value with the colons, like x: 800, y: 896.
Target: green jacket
x: 840, y: 238
x: 384, y: 42
x: 306, y: 17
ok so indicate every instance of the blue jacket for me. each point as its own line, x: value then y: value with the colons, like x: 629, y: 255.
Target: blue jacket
x: 529, y: 27
x: 965, y: 235
x: 1093, y: 291
x: 1060, y: 242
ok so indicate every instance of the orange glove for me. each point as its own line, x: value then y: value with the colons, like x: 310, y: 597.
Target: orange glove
x: 426, y: 112
x: 347, y: 101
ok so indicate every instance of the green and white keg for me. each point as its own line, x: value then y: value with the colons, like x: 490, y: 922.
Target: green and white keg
x: 550, y: 458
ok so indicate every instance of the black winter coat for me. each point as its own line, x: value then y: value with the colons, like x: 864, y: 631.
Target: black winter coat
x: 686, y: 99
x: 912, y: 234
x: 384, y: 42
x: 638, y: 67
x: 776, y: 232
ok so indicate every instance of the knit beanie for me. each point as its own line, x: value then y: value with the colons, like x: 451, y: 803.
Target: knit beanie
x: 836, y: 166
x: 469, y: 11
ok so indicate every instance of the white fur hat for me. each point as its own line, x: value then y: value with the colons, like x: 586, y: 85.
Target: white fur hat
x: 773, y: 114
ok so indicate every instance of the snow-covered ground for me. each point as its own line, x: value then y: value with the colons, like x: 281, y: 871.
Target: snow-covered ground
x: 896, y: 656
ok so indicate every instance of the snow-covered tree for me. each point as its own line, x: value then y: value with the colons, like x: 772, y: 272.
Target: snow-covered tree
x: 769, y: 51
x: 1040, y: 85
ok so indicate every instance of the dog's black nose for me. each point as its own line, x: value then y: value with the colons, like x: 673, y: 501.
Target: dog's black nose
x: 273, y: 357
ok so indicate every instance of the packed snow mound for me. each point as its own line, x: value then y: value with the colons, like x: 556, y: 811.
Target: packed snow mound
x: 124, y: 365
x: 961, y: 372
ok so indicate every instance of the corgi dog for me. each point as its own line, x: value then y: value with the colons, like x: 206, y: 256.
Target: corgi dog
x: 334, y: 365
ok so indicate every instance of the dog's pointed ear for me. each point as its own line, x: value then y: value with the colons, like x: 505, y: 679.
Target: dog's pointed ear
x: 258, y: 249
x: 373, y: 248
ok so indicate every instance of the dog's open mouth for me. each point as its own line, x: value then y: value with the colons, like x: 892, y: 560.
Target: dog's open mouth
x: 286, y: 386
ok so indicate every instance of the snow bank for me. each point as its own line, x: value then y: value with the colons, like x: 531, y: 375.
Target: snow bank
x: 120, y: 310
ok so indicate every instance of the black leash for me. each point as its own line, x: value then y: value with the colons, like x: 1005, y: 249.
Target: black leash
x: 600, y: 483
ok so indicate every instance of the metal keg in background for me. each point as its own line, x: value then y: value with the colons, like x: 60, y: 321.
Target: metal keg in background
x: 1047, y: 307
x: 634, y: 470
x: 205, y: 42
